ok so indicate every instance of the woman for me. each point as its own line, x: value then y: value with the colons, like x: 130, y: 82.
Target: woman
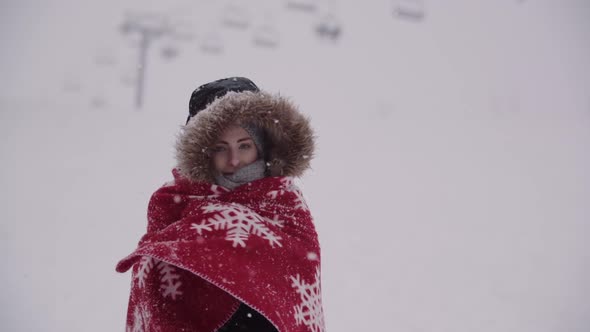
x: 231, y: 244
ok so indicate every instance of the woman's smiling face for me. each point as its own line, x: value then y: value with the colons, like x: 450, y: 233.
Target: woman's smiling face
x: 233, y: 150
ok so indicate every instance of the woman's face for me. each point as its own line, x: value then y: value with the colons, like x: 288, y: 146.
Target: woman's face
x: 233, y: 150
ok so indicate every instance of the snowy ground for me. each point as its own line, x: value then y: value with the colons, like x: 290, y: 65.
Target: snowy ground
x: 450, y: 190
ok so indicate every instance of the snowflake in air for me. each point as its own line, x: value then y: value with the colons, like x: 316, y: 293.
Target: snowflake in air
x: 290, y: 186
x: 309, y: 312
x: 240, y: 222
x: 169, y: 278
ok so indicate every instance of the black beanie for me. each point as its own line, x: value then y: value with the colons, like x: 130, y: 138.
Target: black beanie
x: 207, y: 93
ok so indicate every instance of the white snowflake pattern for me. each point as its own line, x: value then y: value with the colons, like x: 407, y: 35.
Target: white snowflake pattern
x: 145, y: 266
x: 240, y: 222
x: 275, y: 221
x: 169, y: 279
x: 217, y: 190
x: 309, y: 312
x: 170, y: 282
x: 141, y: 319
x: 289, y: 186
x: 299, y: 201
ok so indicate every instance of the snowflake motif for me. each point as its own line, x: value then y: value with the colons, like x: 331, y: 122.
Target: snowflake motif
x: 309, y: 312
x: 169, y: 279
x: 141, y: 319
x: 275, y: 221
x: 290, y: 186
x: 145, y: 266
x: 217, y: 190
x: 299, y: 201
x: 240, y: 222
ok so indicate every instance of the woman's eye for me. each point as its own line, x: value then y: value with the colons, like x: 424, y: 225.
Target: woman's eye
x: 245, y: 146
x: 220, y: 148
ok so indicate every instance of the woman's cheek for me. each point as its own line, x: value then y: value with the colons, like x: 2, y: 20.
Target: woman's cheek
x: 218, y: 162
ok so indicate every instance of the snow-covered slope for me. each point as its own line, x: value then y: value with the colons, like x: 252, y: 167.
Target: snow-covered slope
x: 450, y: 189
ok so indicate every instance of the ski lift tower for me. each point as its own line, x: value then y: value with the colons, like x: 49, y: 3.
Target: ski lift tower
x: 148, y: 28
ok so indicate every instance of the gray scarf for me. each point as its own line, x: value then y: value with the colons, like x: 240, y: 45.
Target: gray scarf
x: 246, y: 174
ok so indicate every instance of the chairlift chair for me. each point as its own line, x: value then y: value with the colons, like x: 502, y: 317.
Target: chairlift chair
x: 412, y: 10
x: 308, y: 6
x: 267, y: 37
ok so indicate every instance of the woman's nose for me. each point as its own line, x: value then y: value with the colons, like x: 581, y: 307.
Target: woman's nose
x: 234, y: 160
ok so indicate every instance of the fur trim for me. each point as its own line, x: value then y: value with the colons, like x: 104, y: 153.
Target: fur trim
x: 289, y: 134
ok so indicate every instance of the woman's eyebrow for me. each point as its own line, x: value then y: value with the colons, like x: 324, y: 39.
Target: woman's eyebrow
x: 239, y: 141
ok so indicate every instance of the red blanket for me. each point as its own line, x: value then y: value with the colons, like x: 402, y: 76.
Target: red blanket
x: 207, y: 249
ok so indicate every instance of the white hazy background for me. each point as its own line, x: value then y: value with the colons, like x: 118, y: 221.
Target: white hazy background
x: 451, y: 189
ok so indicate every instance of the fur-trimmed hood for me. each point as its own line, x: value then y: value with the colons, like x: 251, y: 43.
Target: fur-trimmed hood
x: 289, y: 135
